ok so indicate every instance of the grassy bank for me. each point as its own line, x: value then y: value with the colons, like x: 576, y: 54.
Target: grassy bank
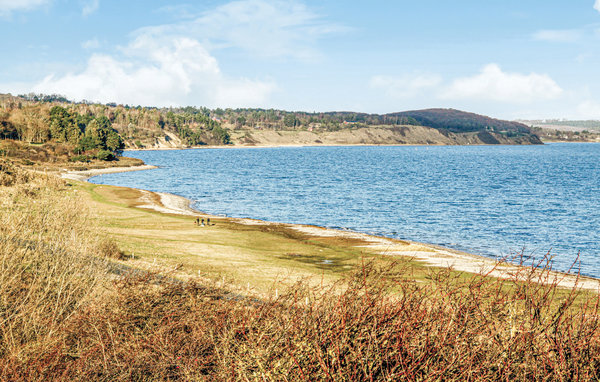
x: 235, y: 301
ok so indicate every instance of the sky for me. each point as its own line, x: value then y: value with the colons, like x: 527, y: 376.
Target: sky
x: 510, y: 59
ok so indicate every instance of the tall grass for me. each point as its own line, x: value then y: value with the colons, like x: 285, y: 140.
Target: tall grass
x: 376, y: 324
x: 46, y: 267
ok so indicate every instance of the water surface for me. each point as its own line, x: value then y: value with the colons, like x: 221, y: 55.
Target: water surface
x: 487, y: 200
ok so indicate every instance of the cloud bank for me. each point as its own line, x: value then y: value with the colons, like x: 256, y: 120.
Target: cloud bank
x: 176, y: 72
x: 493, y: 84
x: 174, y: 64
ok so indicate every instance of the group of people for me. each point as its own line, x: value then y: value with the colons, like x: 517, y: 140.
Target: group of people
x: 200, y: 222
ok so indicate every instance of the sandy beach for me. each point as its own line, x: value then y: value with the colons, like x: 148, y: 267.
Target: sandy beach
x: 85, y: 175
x: 431, y: 255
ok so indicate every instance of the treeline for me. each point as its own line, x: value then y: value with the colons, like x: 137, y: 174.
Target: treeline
x: 45, y: 98
x: 194, y: 126
x: 549, y: 134
x: 551, y: 123
x: 84, y: 131
x: 90, y: 136
x: 41, y: 118
x: 286, y: 120
x: 457, y: 121
x: 28, y: 118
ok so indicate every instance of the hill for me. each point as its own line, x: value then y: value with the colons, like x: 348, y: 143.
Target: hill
x: 458, y: 121
x: 565, y: 125
x: 560, y: 130
x: 90, y: 128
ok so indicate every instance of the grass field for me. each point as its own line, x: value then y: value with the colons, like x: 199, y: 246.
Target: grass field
x: 261, y: 256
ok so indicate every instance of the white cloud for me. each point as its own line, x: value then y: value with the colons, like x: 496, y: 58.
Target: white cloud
x: 589, y: 109
x: 8, y: 6
x: 558, y: 35
x: 91, y: 44
x: 405, y: 86
x: 175, y: 64
x: 90, y: 7
x: 264, y: 28
x: 597, y: 5
x: 495, y: 85
x: 175, y: 72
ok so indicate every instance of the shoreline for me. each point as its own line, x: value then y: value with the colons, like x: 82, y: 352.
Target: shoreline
x: 86, y: 174
x: 429, y: 254
x: 327, y: 145
x: 268, y: 146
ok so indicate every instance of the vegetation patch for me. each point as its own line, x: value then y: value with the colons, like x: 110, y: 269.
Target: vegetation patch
x: 71, y: 310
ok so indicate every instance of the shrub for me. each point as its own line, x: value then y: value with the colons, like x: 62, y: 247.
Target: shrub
x: 108, y: 248
x: 105, y: 155
x: 11, y: 174
x: 376, y: 325
x: 79, y: 158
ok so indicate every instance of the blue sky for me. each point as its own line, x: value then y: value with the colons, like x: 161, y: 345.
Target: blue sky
x: 504, y: 58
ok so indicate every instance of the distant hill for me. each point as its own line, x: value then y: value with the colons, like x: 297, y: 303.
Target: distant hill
x: 87, y: 126
x: 560, y: 130
x: 458, y: 121
x: 565, y: 125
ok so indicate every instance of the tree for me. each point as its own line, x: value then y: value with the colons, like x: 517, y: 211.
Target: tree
x: 100, y: 134
x: 240, y: 121
x: 60, y: 121
x: 289, y: 120
x: 114, y: 142
x: 94, y: 135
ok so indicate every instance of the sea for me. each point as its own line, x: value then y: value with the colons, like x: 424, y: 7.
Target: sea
x: 495, y: 201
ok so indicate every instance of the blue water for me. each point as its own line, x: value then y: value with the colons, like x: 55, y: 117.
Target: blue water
x: 487, y: 200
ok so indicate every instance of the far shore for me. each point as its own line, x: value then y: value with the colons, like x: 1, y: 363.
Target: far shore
x: 278, y: 146
x: 263, y: 146
x: 429, y: 254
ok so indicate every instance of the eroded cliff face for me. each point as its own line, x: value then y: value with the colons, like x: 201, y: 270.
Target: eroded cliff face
x: 399, y: 135
x: 407, y: 135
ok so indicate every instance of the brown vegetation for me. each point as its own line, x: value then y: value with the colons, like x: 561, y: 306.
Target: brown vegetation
x: 54, y: 156
x: 47, y: 272
x: 63, y: 318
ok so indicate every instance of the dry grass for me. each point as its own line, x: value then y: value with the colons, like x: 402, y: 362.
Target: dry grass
x: 374, y: 325
x: 53, y: 156
x: 377, y: 323
x: 46, y: 268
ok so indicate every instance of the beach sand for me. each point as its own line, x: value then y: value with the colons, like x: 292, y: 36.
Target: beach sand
x: 85, y: 175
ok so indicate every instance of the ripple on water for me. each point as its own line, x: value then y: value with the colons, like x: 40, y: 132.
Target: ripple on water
x: 490, y: 200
